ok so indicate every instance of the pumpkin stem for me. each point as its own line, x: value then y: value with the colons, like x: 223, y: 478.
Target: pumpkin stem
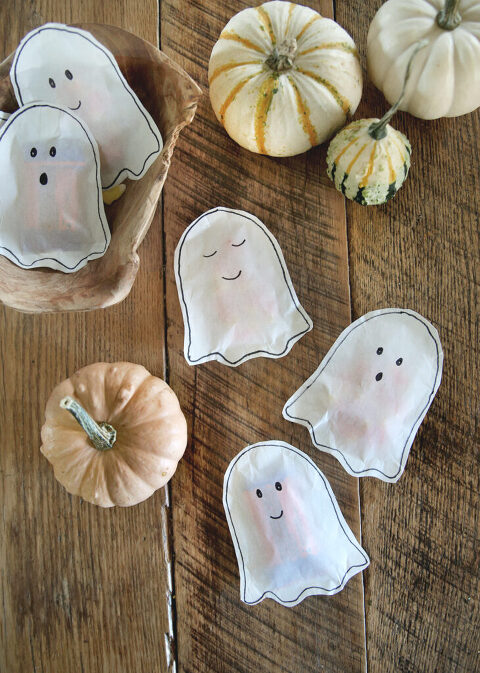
x: 449, y: 17
x: 102, y: 435
x: 378, y: 130
x: 281, y: 59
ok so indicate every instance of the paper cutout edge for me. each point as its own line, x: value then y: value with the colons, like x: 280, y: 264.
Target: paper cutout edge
x: 215, y: 355
x: 308, y: 591
x: 101, y: 212
x: 413, y: 431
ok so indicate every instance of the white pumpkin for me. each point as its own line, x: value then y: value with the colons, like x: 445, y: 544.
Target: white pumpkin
x: 445, y: 80
x: 283, y: 78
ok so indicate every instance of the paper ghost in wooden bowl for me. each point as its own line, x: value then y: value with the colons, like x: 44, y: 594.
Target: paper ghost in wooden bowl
x: 367, y: 398
x: 51, y: 207
x: 170, y: 96
x: 290, y: 537
x: 67, y: 66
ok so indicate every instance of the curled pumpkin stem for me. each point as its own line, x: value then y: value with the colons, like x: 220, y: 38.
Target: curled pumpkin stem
x: 378, y: 130
x: 102, y: 435
x: 281, y: 59
x: 449, y: 17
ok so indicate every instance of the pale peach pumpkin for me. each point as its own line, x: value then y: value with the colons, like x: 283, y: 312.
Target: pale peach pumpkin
x: 126, y: 445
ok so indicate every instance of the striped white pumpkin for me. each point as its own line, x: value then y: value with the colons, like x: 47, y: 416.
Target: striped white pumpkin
x: 283, y: 78
x: 367, y: 170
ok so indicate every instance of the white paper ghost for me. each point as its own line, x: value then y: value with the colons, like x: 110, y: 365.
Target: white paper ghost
x: 367, y: 398
x: 289, y: 534
x: 3, y: 118
x: 237, y: 299
x: 68, y: 67
x: 51, y: 207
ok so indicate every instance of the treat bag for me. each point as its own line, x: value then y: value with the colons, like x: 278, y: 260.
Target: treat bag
x: 237, y: 298
x: 289, y: 534
x: 367, y: 398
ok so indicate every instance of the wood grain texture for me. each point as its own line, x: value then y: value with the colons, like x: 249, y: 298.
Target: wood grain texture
x: 89, y: 590
x: 231, y: 408
x: 422, y: 251
x: 83, y: 589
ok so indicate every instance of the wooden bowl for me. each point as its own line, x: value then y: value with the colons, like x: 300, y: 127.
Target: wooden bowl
x: 171, y: 97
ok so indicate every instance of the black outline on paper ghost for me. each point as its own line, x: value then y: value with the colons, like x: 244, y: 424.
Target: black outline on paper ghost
x: 11, y: 120
x: 216, y: 355
x: 336, y: 508
x: 96, y: 43
x: 323, y: 364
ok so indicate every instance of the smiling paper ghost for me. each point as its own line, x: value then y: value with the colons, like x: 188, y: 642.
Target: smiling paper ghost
x: 235, y: 291
x: 51, y: 208
x: 370, y: 393
x: 68, y: 67
x: 290, y: 537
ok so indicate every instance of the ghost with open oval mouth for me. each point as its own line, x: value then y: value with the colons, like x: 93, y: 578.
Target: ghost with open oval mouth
x: 235, y: 291
x: 367, y: 398
x: 290, y: 538
x: 51, y: 207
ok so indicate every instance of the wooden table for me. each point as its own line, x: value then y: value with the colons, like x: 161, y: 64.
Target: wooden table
x: 155, y: 588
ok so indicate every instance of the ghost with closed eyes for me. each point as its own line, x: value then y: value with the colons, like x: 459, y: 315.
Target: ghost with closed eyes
x: 68, y: 67
x: 290, y: 537
x: 237, y: 299
x: 51, y: 207
x: 368, y: 396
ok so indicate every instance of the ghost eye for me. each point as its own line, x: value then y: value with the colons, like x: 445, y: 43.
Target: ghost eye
x: 259, y: 493
x: 33, y: 152
x: 379, y: 350
x: 237, y: 245
x: 211, y: 255
x: 278, y: 486
x: 53, y: 151
x: 399, y: 362
x: 52, y: 82
x: 68, y: 74
x: 379, y: 376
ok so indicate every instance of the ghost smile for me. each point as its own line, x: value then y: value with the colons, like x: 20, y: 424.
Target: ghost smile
x: 76, y: 108
x: 233, y: 277
x: 277, y: 517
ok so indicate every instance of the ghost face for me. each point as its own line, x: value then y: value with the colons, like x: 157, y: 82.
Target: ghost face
x: 366, y: 400
x: 51, y: 209
x: 236, y: 295
x: 290, y: 537
x: 69, y: 68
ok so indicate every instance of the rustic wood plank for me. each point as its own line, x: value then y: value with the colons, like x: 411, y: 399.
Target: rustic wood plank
x: 230, y: 408
x: 422, y: 251
x: 83, y: 589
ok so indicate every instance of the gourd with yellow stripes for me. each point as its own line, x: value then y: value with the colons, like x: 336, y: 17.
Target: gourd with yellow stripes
x: 365, y: 165
x: 368, y: 160
x: 283, y: 78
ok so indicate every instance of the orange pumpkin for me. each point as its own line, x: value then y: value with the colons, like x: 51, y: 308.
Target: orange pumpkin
x: 123, y: 437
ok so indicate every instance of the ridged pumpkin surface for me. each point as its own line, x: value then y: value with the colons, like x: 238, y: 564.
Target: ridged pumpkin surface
x: 282, y: 113
x: 445, y: 79
x: 366, y: 170
x: 151, y: 434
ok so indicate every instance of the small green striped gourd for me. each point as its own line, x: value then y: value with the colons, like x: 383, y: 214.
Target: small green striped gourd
x: 367, y: 170
x: 283, y: 78
x: 368, y: 160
